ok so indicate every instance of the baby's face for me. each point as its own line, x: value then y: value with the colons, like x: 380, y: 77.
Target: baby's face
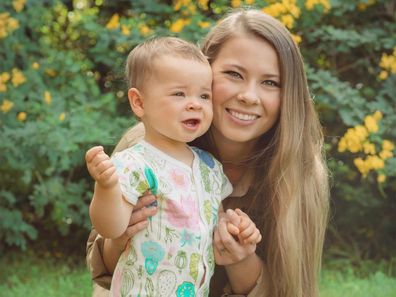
x: 177, y: 99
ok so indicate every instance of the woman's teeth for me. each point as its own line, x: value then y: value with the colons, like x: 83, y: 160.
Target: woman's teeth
x: 243, y: 116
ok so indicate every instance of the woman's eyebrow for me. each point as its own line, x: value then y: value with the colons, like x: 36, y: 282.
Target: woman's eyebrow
x: 242, y: 69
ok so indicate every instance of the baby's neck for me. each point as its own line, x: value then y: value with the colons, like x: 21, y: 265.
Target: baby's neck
x: 175, y: 149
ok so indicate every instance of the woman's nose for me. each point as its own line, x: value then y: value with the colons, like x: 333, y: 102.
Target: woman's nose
x: 249, y: 95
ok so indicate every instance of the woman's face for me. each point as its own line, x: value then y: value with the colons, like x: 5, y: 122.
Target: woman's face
x: 246, y: 90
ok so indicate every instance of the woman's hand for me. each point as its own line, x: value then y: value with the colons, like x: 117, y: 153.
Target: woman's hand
x: 235, y: 237
x: 145, y: 207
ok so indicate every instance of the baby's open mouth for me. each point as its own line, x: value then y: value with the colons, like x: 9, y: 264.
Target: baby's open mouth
x: 191, y: 123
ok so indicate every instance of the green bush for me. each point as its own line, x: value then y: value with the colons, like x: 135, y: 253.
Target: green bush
x: 62, y: 90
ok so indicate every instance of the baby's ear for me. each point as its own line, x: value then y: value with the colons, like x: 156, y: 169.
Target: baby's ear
x: 136, y: 102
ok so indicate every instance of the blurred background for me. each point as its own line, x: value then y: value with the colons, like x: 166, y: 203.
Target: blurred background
x: 62, y: 90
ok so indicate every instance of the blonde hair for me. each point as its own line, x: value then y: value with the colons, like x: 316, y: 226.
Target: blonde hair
x: 291, y: 182
x: 140, y: 60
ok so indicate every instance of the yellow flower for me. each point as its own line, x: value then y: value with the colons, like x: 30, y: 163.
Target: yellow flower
x: 371, y: 124
x: 203, y: 4
x: 361, y: 132
x: 50, y: 72
x: 388, y: 62
x: 6, y: 106
x: 309, y: 4
x: 192, y: 9
x: 144, y: 30
x: 235, y: 3
x: 17, y: 77
x: 369, y: 148
x: 179, y: 3
x: 377, y: 115
x: 47, y: 98
x: 287, y: 20
x: 3, y: 32
x: 361, y: 166
x: 3, y: 88
x: 275, y: 10
x: 204, y: 24
x: 178, y: 26
x: 383, y: 75
x: 381, y: 178
x: 385, y: 154
x: 18, y: 5
x: 4, y: 77
x: 249, y: 2
x: 114, y: 22
x: 21, y: 116
x: 388, y: 145
x: 297, y: 38
x: 36, y: 65
x: 13, y: 24
x: 62, y: 117
x: 342, y: 145
x: 125, y: 30
x: 294, y: 11
x: 375, y: 162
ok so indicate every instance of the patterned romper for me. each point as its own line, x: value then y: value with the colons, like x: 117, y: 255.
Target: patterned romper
x: 173, y: 256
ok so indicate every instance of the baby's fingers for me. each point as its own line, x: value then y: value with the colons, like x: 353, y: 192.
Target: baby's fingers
x: 232, y: 229
x: 92, y: 152
x: 250, y: 236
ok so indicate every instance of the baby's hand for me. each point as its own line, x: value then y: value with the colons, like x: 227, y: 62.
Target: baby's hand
x: 100, y: 167
x: 242, y: 227
x: 248, y: 232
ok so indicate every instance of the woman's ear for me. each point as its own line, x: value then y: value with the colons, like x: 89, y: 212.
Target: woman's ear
x: 136, y: 102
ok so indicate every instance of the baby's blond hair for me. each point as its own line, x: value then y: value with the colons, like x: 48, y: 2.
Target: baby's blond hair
x: 139, y: 63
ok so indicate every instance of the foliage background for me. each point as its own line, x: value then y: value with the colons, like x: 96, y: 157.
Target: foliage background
x: 62, y: 90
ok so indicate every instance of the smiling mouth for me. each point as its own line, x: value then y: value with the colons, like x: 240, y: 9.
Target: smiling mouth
x: 242, y: 116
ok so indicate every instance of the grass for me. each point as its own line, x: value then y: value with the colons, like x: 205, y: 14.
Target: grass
x: 340, y: 284
x: 26, y: 275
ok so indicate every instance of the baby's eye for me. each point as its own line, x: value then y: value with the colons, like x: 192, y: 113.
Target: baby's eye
x: 179, y: 94
x: 271, y: 83
x: 233, y: 74
x: 205, y: 96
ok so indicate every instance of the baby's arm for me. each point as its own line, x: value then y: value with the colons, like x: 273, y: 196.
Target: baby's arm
x: 109, y: 212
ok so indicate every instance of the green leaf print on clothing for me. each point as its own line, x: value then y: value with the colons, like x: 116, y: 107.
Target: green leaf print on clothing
x: 136, y: 179
x: 166, y: 283
x: 170, y: 234
x: 181, y: 260
x: 208, y: 211
x: 205, y: 176
x: 149, y: 288
x: 210, y: 257
x: 127, y: 282
x: 132, y: 257
x: 194, y: 262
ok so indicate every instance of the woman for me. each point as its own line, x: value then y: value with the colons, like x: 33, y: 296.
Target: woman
x: 266, y: 134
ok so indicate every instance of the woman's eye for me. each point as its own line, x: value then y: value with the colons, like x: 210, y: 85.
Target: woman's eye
x: 271, y: 83
x: 205, y: 96
x: 233, y: 74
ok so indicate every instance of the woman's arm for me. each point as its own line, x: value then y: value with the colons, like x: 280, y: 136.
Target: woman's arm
x: 242, y: 265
